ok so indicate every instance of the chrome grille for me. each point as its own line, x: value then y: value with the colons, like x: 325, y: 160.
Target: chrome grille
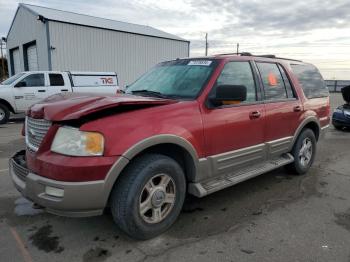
x: 36, y: 130
x: 19, y: 168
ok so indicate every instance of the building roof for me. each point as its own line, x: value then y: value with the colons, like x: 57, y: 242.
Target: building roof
x: 92, y: 21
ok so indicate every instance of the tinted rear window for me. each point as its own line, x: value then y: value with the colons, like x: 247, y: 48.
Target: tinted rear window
x: 56, y: 80
x: 310, y: 80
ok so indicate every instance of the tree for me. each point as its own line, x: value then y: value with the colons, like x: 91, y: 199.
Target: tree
x: 3, y: 77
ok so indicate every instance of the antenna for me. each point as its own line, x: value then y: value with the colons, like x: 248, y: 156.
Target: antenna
x: 206, y: 44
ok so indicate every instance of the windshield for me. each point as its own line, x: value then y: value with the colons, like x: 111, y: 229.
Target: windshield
x: 12, y: 79
x: 178, y: 79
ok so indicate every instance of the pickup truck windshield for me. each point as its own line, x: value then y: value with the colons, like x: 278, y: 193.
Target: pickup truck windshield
x: 174, y: 79
x: 12, y: 79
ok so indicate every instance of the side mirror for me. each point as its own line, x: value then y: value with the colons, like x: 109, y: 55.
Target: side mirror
x: 229, y: 93
x: 21, y: 84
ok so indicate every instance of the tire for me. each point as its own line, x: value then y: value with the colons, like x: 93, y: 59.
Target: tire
x: 134, y: 188
x: 303, y: 160
x: 4, y: 114
x: 338, y: 127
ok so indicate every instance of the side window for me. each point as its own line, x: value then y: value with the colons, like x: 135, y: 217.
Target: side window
x: 310, y: 80
x: 239, y: 73
x: 287, y: 83
x: 56, y: 80
x: 272, y: 80
x: 33, y: 80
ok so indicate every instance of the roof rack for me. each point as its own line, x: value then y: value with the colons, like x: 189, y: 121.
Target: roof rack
x: 267, y: 56
x: 241, y: 54
x: 264, y: 56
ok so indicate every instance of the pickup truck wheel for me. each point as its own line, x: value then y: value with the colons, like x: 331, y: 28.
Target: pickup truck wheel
x: 148, y: 197
x: 303, y: 152
x: 4, y: 114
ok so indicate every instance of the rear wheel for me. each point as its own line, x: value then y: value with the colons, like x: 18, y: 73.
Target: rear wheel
x: 149, y: 196
x: 4, y: 114
x: 303, y: 152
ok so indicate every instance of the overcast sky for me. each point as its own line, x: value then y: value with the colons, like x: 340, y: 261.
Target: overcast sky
x: 312, y: 30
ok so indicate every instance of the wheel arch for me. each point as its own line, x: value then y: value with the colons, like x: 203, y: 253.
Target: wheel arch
x: 6, y: 103
x: 311, y: 123
x: 178, y: 148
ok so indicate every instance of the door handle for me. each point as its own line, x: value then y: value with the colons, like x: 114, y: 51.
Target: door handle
x: 297, y: 109
x: 64, y: 90
x: 42, y: 91
x: 254, y: 114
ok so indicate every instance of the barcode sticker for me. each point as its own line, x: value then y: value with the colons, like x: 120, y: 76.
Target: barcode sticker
x: 200, y: 63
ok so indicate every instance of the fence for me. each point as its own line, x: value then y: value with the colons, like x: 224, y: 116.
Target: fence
x: 336, y: 85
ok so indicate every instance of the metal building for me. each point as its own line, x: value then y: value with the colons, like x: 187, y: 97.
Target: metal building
x: 42, y: 38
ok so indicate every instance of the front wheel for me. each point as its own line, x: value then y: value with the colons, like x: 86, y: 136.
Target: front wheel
x: 4, y: 114
x: 303, y: 152
x: 148, y: 197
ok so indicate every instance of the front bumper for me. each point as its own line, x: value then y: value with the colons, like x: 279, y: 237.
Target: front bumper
x: 78, y: 199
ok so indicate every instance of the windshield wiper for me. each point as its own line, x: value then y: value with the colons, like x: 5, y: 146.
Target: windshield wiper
x: 149, y: 93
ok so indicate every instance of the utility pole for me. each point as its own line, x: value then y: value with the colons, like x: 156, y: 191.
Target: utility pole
x: 206, y: 44
x: 2, y: 61
x: 237, y: 48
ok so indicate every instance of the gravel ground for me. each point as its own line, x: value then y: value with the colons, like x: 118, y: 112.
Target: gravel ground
x: 274, y: 217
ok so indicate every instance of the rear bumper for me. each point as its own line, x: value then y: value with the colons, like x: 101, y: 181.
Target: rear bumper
x: 74, y: 199
x: 340, y: 122
x: 340, y: 119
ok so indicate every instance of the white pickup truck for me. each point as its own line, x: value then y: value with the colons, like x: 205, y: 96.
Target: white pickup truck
x: 24, y: 89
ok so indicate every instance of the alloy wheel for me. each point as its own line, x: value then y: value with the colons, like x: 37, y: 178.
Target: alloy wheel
x: 157, y: 198
x: 305, y: 152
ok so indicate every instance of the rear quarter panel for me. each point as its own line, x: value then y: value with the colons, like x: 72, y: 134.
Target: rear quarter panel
x: 317, y: 107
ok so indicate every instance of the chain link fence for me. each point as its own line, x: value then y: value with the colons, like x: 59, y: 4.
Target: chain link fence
x: 336, y: 85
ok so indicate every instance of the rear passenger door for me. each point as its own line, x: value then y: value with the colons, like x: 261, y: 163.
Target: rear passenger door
x: 57, y: 84
x: 283, y: 109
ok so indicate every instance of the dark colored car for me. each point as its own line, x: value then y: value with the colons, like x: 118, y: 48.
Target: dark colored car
x: 188, y: 126
x: 341, y: 115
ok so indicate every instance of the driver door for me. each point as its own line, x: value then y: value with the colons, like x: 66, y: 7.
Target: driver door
x: 234, y: 134
x: 30, y: 90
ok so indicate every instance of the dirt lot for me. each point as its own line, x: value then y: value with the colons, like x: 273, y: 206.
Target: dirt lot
x: 274, y: 217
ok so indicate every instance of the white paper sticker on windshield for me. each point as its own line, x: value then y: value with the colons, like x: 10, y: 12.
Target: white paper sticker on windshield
x: 200, y: 63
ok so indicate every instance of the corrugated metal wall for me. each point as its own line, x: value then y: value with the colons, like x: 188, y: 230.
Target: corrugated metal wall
x: 83, y: 48
x: 26, y: 29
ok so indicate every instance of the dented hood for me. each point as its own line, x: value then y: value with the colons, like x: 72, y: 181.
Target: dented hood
x: 71, y: 106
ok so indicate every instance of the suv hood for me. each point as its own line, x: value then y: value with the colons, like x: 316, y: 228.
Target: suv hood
x: 62, y: 107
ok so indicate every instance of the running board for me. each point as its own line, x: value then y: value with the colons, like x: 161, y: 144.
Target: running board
x: 215, y: 184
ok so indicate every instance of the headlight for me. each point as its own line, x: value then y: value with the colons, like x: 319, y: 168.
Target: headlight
x: 338, y: 111
x: 70, y: 141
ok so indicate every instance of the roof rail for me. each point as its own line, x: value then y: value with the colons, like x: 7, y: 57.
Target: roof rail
x: 241, y: 54
x: 264, y: 56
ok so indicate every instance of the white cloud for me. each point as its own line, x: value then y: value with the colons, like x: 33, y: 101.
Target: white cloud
x: 314, y: 31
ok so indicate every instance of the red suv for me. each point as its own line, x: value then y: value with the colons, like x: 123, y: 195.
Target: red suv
x: 188, y: 126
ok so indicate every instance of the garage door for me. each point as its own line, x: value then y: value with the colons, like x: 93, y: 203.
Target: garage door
x: 16, y: 61
x: 32, y: 58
